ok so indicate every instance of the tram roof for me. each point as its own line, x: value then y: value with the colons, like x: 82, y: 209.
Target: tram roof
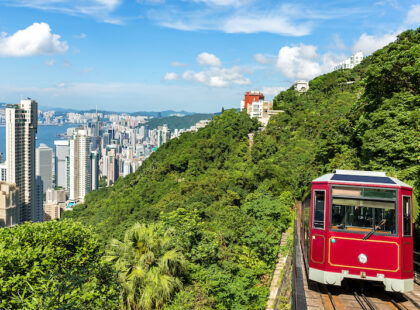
x: 357, y: 177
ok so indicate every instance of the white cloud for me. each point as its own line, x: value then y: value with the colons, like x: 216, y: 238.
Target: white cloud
x: 206, y: 59
x: 80, y: 36
x: 170, y: 76
x: 224, y: 2
x: 289, y: 20
x: 298, y: 62
x: 36, y: 39
x: 413, y: 16
x: 265, y: 59
x: 270, y: 24
x: 98, y: 9
x: 368, y: 44
x: 302, y: 62
x: 272, y: 91
x: 178, y: 64
x: 50, y: 62
x: 66, y: 63
x: 218, y: 77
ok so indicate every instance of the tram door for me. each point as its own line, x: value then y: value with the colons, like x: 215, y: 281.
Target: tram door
x: 407, y: 232
x: 318, y: 235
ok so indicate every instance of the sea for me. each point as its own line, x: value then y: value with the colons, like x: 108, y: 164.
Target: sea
x: 46, y: 134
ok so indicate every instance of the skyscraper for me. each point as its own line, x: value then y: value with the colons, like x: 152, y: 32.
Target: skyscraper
x: 113, y: 167
x: 21, y: 128
x: 40, y: 198
x: 95, y: 169
x: 80, y: 165
x: 62, y: 153
x: 44, y: 165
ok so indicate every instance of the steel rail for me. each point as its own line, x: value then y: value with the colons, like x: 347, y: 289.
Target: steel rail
x: 397, y: 305
x: 416, y: 304
x: 366, y: 300
x: 359, y: 300
x: 332, y: 300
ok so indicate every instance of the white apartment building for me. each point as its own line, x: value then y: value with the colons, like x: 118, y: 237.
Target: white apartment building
x: 21, y: 128
x: 80, y: 165
x: 44, y: 165
x: 351, y: 62
x: 301, y: 86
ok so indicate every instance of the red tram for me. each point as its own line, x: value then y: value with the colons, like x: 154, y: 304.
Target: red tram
x: 358, y: 224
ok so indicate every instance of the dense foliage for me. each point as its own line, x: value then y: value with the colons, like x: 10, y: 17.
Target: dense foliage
x: 203, y: 186
x: 180, y: 122
x: 54, y: 265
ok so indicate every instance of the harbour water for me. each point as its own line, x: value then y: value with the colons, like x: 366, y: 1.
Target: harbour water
x: 46, y: 134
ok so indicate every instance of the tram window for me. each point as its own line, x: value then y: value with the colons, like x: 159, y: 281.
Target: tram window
x: 319, y: 209
x: 406, y: 208
x: 363, y: 215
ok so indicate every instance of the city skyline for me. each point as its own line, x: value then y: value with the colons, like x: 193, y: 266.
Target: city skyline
x: 197, y: 56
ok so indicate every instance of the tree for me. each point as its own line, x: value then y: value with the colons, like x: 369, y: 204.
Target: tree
x: 54, y: 265
x: 148, y: 266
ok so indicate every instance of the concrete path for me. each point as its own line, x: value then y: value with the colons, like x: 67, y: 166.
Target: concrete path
x: 275, y: 282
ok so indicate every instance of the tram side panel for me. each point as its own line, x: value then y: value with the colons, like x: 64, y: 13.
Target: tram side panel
x: 318, y: 230
x: 406, y: 233
x: 305, y: 228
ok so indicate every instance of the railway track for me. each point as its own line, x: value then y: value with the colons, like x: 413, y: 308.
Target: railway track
x: 336, y: 298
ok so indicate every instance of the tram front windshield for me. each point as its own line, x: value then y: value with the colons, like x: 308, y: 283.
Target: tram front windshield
x: 364, y: 209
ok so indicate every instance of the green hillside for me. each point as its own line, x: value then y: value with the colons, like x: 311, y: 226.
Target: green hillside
x: 180, y: 122
x: 212, y: 207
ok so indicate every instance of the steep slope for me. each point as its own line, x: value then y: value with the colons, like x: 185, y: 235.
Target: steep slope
x: 203, y: 185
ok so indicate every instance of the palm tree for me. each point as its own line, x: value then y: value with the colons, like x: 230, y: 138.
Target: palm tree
x: 148, y: 266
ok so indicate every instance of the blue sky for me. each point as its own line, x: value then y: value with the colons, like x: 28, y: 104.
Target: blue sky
x: 195, y: 55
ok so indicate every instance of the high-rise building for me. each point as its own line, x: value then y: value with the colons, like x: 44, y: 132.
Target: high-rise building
x: 95, y: 125
x: 113, y: 167
x: 95, y: 169
x: 80, y: 165
x: 21, y: 128
x: 44, y: 165
x: 40, y: 198
x: 62, y: 154
x: 163, y: 134
x: 9, y: 205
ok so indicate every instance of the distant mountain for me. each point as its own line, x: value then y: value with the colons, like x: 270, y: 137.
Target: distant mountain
x: 165, y: 113
x: 180, y: 122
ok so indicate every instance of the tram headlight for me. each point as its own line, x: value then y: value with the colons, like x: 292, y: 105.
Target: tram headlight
x: 362, y: 258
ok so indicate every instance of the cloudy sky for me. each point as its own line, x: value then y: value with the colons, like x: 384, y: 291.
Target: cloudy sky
x: 195, y: 55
